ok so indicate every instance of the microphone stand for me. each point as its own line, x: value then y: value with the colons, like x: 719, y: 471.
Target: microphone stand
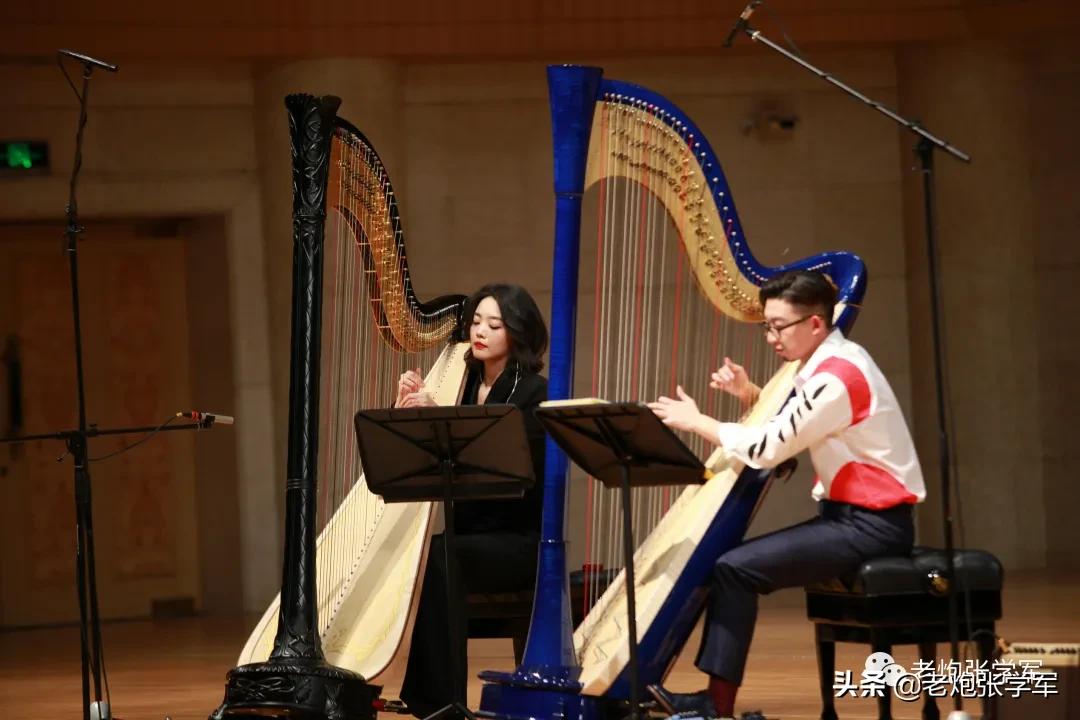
x: 76, y: 440
x: 925, y: 146
x: 85, y: 573
x: 94, y: 431
x: 85, y: 569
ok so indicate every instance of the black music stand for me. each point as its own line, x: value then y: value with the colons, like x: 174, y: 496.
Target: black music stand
x: 623, y: 445
x: 471, y: 452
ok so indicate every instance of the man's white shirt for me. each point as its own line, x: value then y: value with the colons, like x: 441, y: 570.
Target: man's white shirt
x: 843, y: 412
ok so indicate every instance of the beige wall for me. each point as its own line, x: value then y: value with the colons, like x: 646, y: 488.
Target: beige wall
x: 169, y: 142
x: 985, y: 226
x: 468, y: 147
x: 212, y: 387
x: 1007, y: 226
x: 1053, y: 77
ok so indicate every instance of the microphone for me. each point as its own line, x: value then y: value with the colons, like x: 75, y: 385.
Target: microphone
x: 87, y: 60
x: 740, y: 24
x: 205, y: 417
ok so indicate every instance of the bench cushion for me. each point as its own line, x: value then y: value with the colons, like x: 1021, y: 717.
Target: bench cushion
x: 909, y: 592
x: 920, y: 574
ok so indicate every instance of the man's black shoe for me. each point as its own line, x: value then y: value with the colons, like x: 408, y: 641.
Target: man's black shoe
x: 698, y: 703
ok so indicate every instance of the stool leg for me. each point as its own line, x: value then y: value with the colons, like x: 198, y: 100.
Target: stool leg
x: 826, y: 661
x: 928, y: 653
x: 883, y: 702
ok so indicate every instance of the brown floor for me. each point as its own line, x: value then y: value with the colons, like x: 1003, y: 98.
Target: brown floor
x: 176, y: 668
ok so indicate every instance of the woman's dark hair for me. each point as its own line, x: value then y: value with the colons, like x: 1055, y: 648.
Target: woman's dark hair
x: 521, y: 317
x: 808, y: 289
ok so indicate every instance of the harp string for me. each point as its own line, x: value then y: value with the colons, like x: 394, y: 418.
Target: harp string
x: 653, y: 329
x: 359, y: 368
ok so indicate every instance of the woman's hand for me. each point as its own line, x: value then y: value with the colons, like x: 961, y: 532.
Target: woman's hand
x: 409, y: 383
x: 417, y: 399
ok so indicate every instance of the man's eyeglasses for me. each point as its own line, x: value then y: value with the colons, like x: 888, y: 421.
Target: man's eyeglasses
x: 771, y: 329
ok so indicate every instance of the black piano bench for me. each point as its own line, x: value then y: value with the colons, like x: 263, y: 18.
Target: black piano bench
x: 904, y: 601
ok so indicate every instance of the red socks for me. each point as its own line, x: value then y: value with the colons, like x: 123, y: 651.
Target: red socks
x: 722, y: 693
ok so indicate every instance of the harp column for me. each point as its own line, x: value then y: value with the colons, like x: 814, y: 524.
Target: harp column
x: 297, y: 680
x: 546, y: 684
x: 370, y: 95
x: 574, y: 97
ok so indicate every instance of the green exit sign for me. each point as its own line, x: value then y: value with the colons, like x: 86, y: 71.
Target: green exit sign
x: 18, y: 156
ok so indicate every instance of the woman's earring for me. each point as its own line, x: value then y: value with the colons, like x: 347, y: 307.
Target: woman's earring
x: 517, y: 376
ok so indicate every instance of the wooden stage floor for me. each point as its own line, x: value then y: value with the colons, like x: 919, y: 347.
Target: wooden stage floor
x: 176, y: 668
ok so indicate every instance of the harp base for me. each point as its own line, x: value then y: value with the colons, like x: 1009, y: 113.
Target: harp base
x: 520, y: 696
x: 307, y: 689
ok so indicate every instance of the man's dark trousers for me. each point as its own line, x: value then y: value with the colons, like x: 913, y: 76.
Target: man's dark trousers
x: 833, y: 544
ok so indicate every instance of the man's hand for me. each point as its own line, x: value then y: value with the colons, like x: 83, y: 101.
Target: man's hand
x: 682, y: 414
x: 732, y: 378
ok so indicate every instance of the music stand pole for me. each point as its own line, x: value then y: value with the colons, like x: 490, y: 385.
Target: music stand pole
x: 625, y: 459
x: 447, y: 465
x: 623, y: 445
